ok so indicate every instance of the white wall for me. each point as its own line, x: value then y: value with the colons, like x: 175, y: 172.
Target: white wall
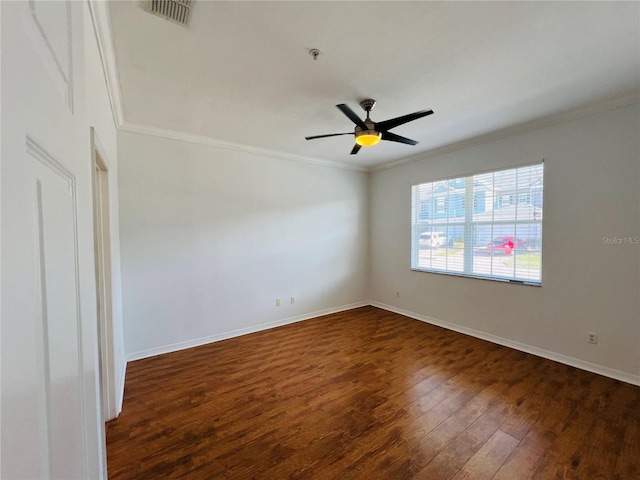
x: 591, y: 191
x: 211, y: 237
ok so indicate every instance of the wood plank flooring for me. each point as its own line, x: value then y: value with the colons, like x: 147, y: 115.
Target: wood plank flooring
x: 369, y: 394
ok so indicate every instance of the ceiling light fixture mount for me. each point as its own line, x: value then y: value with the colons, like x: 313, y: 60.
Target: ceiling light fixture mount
x: 367, y: 105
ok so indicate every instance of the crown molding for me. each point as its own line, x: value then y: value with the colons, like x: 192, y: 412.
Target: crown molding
x: 99, y: 11
x: 629, y: 98
x: 203, y: 140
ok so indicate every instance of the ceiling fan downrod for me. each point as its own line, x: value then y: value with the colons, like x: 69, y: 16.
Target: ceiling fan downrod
x: 367, y: 105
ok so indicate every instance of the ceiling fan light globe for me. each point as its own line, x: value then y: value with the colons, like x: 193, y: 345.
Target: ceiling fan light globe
x: 368, y: 138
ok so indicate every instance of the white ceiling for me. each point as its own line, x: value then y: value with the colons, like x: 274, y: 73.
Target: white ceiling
x: 241, y: 71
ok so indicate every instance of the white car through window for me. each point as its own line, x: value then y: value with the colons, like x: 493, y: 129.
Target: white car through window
x: 432, y: 239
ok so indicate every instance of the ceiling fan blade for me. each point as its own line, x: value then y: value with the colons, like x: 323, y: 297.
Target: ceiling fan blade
x: 392, y: 137
x: 352, y: 116
x: 394, y: 122
x: 355, y: 149
x: 328, y: 135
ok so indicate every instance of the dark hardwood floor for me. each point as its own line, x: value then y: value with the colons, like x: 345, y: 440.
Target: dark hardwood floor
x: 369, y: 394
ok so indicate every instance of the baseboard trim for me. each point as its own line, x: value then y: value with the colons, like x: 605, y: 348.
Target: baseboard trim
x: 556, y: 357
x: 152, y: 352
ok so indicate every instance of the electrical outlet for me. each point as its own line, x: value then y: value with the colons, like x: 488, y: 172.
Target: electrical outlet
x: 397, y: 294
x: 293, y: 300
x: 277, y: 302
x: 592, y: 337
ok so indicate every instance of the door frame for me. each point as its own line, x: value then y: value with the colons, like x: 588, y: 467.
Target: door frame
x: 104, y: 284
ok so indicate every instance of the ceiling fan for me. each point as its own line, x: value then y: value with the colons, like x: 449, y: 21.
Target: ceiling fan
x: 368, y: 132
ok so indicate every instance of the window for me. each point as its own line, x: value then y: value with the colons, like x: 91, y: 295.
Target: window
x: 505, y: 200
x: 487, y: 225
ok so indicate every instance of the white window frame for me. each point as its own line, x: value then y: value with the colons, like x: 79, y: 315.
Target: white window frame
x: 468, y: 224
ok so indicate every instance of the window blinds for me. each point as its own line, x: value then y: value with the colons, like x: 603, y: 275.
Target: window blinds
x: 487, y: 225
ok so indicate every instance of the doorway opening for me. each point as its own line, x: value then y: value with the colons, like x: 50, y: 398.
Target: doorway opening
x: 102, y: 245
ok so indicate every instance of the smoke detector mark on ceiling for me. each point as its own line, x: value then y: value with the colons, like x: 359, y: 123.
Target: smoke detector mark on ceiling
x: 178, y: 11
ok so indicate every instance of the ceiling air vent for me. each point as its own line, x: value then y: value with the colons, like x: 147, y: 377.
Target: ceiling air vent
x: 178, y: 11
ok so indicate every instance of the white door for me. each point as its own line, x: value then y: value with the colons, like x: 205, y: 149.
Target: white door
x: 51, y: 421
